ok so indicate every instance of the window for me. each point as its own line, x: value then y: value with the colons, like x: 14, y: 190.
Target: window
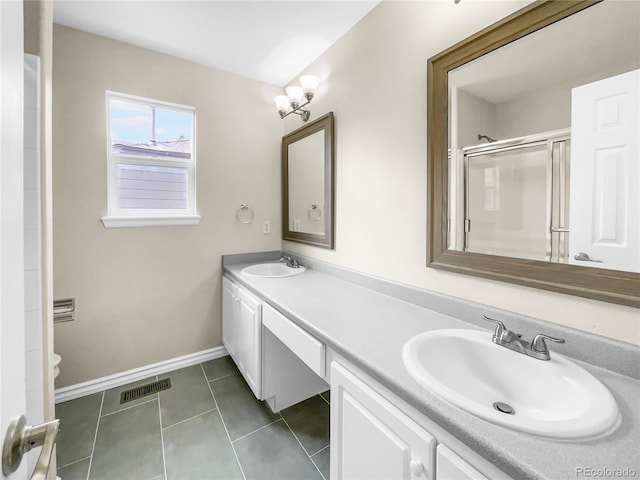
x: 151, y: 163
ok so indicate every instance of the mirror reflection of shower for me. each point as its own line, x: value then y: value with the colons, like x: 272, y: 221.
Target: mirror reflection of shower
x: 512, y: 197
x: 515, y: 197
x: 487, y: 138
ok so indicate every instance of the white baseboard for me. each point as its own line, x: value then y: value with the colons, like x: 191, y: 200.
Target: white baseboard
x: 117, y: 379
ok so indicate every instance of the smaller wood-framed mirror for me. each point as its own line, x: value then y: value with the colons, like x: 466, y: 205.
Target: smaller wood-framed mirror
x: 308, y: 171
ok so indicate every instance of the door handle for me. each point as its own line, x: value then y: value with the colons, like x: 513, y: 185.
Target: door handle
x: 21, y: 438
x: 584, y: 257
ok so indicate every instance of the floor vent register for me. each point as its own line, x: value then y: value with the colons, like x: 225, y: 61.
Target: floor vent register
x: 144, y: 390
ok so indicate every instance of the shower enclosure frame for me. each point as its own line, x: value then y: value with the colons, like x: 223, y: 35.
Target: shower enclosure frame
x: 557, y: 186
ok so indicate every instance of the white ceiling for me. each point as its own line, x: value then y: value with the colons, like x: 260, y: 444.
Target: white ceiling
x: 271, y: 41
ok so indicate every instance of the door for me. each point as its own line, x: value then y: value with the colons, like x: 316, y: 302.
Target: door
x: 605, y: 206
x: 249, y: 340
x: 452, y: 467
x: 229, y: 316
x: 370, y: 438
x: 12, y: 337
x: 507, y: 201
x: 516, y: 197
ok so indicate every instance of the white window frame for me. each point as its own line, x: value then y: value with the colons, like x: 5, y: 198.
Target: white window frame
x: 128, y: 217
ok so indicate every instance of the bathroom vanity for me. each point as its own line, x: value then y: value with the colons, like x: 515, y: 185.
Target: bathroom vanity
x: 294, y: 336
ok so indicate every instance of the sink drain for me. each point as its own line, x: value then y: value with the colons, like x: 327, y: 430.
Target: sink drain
x: 504, y: 408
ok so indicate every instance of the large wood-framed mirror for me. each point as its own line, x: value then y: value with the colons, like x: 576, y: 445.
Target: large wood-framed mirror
x: 523, y: 187
x: 308, y: 170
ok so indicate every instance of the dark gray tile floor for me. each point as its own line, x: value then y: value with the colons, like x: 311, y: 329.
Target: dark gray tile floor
x: 208, y: 425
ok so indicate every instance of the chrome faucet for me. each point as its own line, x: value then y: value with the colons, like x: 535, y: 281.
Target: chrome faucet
x: 513, y: 341
x: 291, y: 262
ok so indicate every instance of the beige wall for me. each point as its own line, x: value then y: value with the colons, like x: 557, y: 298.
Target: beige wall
x: 474, y: 116
x: 374, y: 80
x: 531, y: 113
x: 32, y: 26
x: 536, y: 112
x: 144, y: 295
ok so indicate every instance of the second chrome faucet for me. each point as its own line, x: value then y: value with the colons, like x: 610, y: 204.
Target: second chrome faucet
x: 290, y: 262
x: 513, y: 341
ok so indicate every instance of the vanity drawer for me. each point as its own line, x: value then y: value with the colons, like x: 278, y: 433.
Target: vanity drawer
x: 307, y: 348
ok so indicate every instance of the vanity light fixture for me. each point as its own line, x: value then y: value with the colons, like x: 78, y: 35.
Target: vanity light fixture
x: 292, y: 101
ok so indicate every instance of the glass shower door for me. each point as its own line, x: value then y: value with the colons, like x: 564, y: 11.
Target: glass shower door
x: 508, y: 202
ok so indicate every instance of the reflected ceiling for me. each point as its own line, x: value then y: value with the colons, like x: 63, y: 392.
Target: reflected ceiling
x: 596, y: 33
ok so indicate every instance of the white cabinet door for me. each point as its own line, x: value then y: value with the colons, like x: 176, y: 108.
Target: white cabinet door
x: 451, y: 467
x: 605, y: 171
x: 249, y: 340
x: 242, y: 332
x: 230, y: 313
x: 370, y: 438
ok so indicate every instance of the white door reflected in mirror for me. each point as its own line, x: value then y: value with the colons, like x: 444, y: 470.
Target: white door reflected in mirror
x: 605, y: 200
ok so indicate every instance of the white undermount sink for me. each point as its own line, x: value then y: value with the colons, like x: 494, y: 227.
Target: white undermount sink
x: 554, y: 398
x: 272, y: 270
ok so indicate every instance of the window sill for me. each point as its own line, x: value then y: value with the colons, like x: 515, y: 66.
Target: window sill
x: 149, y: 221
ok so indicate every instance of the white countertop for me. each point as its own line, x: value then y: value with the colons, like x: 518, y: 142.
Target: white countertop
x: 370, y: 329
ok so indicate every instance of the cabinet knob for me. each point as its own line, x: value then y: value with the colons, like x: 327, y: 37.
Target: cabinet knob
x: 416, y: 468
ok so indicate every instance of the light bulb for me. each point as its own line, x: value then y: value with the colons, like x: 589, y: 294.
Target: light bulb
x: 282, y: 104
x: 309, y: 85
x: 295, y: 95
